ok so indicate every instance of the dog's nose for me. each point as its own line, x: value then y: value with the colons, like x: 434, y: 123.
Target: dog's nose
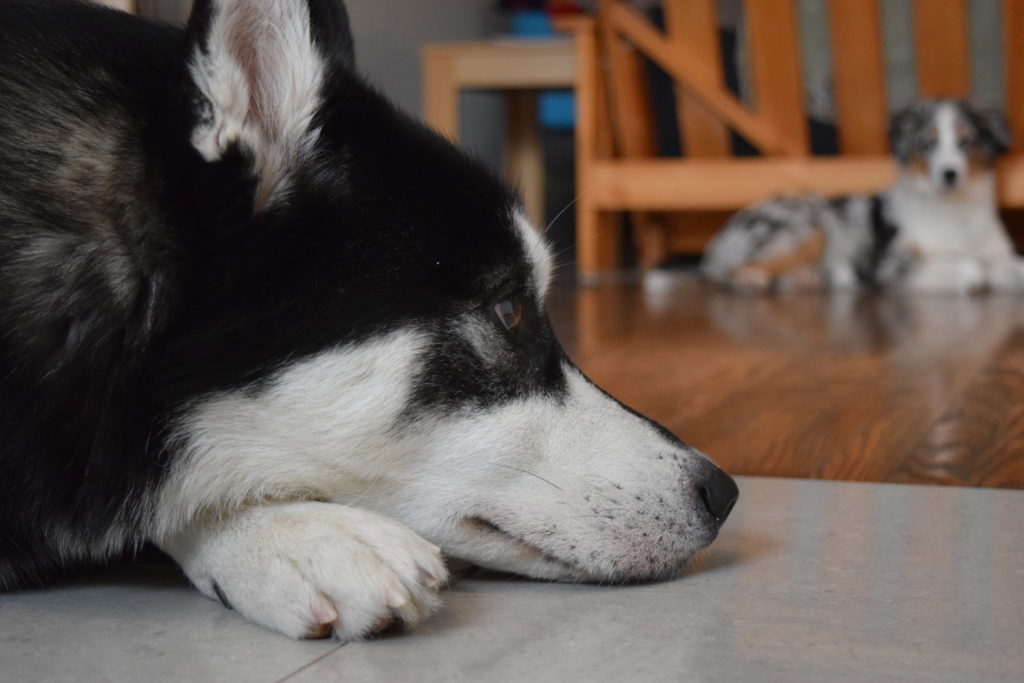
x: 718, y: 491
x: 949, y: 177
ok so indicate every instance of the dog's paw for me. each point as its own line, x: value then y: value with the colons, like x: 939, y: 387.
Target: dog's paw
x: 803, y: 280
x: 309, y: 569
x: 956, y: 276
x: 1006, y: 276
x: 751, y: 280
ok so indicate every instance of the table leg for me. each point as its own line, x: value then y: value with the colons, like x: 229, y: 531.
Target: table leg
x: 441, y: 96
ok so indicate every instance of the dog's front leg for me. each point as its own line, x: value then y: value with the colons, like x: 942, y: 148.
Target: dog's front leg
x: 307, y: 569
x: 1006, y: 274
x: 942, y: 274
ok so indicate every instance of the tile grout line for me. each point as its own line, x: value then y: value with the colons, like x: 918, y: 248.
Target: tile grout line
x: 311, y: 663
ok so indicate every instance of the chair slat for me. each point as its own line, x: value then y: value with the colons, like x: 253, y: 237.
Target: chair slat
x: 858, y: 75
x: 632, y: 117
x: 1013, y: 65
x: 632, y: 114
x: 683, y: 67
x: 693, y: 23
x: 775, y: 67
x: 597, y: 233
x: 940, y: 42
x: 713, y: 184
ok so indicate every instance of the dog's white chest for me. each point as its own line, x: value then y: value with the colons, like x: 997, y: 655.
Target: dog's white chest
x: 963, y: 226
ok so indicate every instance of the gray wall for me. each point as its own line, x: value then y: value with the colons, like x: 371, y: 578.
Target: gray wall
x: 388, y: 36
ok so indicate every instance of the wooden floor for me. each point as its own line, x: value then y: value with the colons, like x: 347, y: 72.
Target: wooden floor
x: 880, y: 388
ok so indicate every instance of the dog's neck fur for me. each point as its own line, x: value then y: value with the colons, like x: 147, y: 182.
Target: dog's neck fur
x: 944, y: 221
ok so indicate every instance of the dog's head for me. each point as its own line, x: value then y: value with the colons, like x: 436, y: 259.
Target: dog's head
x: 947, y: 144
x: 384, y: 310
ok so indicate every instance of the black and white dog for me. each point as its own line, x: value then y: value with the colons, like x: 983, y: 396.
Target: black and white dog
x: 252, y: 313
x: 937, y: 229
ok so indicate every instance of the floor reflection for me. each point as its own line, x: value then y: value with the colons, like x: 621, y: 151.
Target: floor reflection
x: 877, y: 387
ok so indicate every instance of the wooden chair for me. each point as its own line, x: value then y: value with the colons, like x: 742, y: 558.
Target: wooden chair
x: 626, y: 176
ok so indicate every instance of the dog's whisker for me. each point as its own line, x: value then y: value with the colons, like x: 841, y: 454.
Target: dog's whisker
x: 559, y: 214
x: 532, y: 474
x: 610, y: 500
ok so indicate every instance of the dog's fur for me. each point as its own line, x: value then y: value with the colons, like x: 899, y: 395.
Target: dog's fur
x: 936, y: 229
x: 251, y: 313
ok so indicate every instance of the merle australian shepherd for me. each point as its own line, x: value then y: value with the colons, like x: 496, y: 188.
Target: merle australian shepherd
x: 253, y: 314
x: 937, y: 229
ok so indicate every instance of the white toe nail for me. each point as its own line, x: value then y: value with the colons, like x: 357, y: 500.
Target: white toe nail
x: 397, y: 601
x: 323, y: 610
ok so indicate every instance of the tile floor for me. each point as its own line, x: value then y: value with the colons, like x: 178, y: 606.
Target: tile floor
x: 809, y: 581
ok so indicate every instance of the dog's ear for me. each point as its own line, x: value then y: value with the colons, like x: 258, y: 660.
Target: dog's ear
x: 994, y: 136
x: 903, y: 128
x: 258, y: 68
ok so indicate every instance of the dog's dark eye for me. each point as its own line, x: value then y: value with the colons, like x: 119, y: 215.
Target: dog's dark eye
x: 509, y: 312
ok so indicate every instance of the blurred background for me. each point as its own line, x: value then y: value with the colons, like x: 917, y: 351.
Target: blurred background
x: 391, y: 35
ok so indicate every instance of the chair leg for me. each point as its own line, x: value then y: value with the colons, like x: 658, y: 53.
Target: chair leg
x: 651, y: 238
x: 598, y: 247
x: 441, y: 96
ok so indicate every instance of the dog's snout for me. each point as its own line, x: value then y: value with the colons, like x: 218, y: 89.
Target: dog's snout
x: 949, y: 177
x: 719, y: 492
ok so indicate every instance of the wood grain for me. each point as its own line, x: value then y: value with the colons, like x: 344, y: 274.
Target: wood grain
x: 723, y: 184
x: 1013, y: 64
x: 693, y: 23
x: 940, y: 42
x: 775, y: 68
x: 679, y: 62
x: 597, y: 233
x: 880, y: 388
x: 855, y: 29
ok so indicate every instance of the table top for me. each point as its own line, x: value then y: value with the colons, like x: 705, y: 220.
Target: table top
x: 808, y: 581
x: 507, y: 64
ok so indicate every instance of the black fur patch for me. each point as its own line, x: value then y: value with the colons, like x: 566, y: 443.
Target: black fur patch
x: 905, y: 130
x: 883, y: 234
x: 839, y: 204
x: 134, y: 279
x: 522, y: 363
x: 991, y: 138
x: 908, y: 129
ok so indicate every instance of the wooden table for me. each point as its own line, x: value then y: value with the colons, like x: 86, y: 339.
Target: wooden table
x: 520, y: 67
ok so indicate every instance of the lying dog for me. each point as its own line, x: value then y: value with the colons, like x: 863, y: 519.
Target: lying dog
x: 257, y: 316
x: 936, y: 229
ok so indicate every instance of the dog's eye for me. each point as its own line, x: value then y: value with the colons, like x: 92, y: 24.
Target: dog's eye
x: 509, y: 313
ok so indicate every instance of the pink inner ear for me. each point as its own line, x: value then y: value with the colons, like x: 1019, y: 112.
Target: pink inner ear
x: 263, y: 72
x: 246, y: 36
